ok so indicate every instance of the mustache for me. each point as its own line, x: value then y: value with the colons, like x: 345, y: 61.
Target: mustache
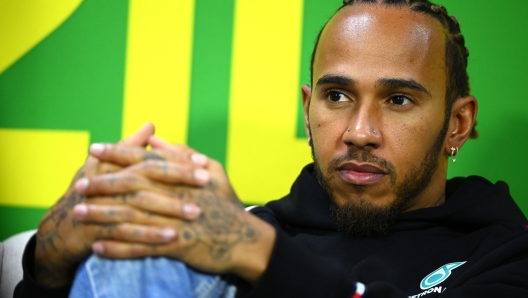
x: 364, y: 156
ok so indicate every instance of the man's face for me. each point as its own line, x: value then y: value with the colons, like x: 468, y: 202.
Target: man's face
x: 377, y: 108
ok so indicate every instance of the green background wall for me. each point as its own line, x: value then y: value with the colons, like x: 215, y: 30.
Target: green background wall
x: 73, y: 80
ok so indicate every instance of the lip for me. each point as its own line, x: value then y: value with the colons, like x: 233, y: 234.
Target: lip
x: 361, y: 174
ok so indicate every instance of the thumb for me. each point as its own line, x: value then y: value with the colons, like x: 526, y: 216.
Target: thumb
x: 140, y: 138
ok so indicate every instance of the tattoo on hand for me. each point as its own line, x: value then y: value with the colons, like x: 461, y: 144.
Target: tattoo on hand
x: 220, y: 227
x: 152, y: 156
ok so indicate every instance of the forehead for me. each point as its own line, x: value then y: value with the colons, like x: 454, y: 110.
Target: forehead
x: 382, y: 41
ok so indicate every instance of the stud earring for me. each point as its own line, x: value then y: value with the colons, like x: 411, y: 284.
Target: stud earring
x: 348, y: 130
x: 454, y: 152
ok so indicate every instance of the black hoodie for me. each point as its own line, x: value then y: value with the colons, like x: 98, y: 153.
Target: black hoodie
x: 474, y: 245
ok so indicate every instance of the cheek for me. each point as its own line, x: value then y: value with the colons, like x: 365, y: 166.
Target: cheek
x: 409, y: 141
x: 326, y: 133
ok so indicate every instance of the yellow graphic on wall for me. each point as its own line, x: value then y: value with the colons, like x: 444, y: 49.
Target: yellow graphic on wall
x: 38, y: 165
x: 264, y: 156
x: 24, y: 23
x: 158, y: 67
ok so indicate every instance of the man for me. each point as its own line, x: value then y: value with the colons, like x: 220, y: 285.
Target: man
x: 373, y: 216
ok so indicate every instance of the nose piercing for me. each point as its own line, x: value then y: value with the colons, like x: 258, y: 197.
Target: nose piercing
x: 374, y: 132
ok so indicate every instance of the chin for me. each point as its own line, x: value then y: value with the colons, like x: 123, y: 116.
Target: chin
x: 361, y: 218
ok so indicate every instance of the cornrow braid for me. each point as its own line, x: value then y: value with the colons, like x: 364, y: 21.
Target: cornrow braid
x: 456, y: 52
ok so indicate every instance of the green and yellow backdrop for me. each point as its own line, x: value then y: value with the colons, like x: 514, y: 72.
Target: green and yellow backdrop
x: 222, y: 76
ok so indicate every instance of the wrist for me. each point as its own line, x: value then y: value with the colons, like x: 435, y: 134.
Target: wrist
x: 50, y: 272
x: 251, y: 260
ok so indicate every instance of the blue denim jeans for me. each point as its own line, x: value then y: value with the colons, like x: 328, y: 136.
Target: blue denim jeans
x: 149, y: 277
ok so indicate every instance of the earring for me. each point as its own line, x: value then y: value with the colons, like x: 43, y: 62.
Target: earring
x: 348, y: 130
x: 454, y: 152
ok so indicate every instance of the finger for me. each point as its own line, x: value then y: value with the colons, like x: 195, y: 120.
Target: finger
x: 137, y: 178
x: 172, y: 173
x: 107, y: 214
x: 144, y: 208
x: 136, y: 233
x: 140, y: 137
x: 197, y: 158
x: 128, y: 155
x: 159, y: 204
x: 125, y: 250
x: 119, y: 154
x: 116, y: 183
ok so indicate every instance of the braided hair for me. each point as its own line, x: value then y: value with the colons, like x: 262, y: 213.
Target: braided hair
x: 456, y: 53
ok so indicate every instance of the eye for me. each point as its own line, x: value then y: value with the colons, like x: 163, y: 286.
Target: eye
x: 400, y: 100
x: 336, y: 96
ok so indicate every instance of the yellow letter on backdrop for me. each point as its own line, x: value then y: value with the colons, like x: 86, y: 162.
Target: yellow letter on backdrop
x: 264, y: 156
x: 158, y: 67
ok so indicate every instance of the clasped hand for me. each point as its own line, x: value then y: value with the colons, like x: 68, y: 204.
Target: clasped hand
x: 169, y: 201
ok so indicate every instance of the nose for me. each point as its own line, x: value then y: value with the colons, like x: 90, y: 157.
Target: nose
x: 363, y: 129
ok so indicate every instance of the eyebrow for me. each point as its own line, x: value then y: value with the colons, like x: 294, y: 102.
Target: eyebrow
x: 393, y: 83
x: 337, y: 80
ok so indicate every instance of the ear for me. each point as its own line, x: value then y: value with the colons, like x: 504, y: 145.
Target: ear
x: 463, y: 115
x: 306, y: 95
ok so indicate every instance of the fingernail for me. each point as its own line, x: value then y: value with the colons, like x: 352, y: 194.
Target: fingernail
x: 199, y: 159
x: 201, y: 175
x: 191, y: 210
x: 80, y: 210
x: 81, y: 184
x: 168, y: 234
x: 98, y: 248
x: 96, y: 149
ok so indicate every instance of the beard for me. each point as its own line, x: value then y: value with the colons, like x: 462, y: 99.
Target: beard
x: 360, y: 217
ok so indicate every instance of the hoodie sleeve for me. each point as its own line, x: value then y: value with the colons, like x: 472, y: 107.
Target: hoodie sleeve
x: 28, y: 286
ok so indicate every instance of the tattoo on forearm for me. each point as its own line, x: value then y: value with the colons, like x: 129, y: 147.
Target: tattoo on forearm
x: 48, y: 236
